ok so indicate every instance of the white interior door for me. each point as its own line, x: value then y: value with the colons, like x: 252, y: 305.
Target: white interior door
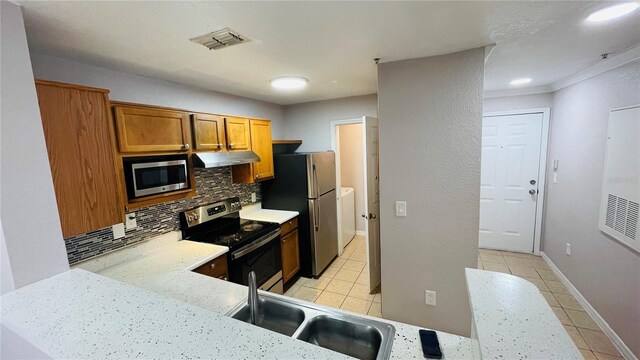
x: 509, y: 181
x: 372, y: 203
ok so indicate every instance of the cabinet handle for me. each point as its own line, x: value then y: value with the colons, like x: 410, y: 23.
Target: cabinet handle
x: 186, y: 146
x: 219, y: 146
x: 231, y: 146
x: 258, y: 176
x: 213, y: 266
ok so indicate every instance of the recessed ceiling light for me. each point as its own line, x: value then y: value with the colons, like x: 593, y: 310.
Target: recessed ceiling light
x: 289, y: 82
x: 522, y: 81
x: 613, y: 12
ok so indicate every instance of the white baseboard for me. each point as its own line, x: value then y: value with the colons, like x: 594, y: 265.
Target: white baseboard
x: 615, y: 339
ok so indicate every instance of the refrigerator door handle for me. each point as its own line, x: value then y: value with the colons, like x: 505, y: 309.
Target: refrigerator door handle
x: 317, y: 214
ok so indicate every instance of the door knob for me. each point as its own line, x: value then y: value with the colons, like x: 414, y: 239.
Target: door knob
x: 532, y: 191
x: 372, y: 216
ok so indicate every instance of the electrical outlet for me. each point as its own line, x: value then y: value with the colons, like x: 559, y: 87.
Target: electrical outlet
x: 131, y: 221
x: 430, y: 297
x: 118, y: 230
x: 401, y: 208
x: 253, y: 197
x: 568, y: 249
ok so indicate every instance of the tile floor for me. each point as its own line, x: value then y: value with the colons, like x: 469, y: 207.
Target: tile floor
x: 586, y: 334
x: 344, y: 284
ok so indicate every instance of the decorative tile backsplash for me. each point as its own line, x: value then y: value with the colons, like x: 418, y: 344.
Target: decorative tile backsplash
x: 211, y: 184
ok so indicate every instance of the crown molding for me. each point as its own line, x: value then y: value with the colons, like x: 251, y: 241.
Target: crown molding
x: 611, y: 62
x: 518, y: 91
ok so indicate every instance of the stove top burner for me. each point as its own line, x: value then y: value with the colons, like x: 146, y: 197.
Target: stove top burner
x: 252, y: 227
x: 233, y: 232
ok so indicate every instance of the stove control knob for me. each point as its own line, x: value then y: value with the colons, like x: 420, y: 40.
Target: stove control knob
x: 189, y: 218
x: 196, y: 216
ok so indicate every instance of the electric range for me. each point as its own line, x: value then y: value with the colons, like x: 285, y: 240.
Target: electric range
x: 253, y: 245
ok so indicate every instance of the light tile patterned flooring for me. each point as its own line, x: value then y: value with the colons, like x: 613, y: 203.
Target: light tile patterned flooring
x: 344, y: 284
x: 586, y: 334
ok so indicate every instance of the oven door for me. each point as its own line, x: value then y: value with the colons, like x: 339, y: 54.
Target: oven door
x: 149, y: 178
x: 262, y: 256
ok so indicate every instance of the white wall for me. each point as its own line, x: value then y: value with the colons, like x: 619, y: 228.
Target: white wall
x: 310, y: 122
x: 430, y: 112
x: 519, y: 102
x: 28, y: 210
x: 147, y: 90
x: 6, y: 274
x: 606, y: 272
x: 352, y: 166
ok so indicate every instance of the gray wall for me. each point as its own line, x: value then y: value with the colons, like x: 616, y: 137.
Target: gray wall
x: 430, y: 112
x: 146, y: 90
x: 520, y: 102
x: 29, y: 214
x: 310, y: 122
x: 606, y: 272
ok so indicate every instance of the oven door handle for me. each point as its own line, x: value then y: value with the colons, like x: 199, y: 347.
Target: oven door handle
x: 255, y: 245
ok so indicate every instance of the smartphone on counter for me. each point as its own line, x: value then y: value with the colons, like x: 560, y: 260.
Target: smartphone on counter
x: 430, y: 344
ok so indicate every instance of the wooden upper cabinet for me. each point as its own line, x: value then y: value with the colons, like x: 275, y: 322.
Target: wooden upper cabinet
x: 208, y: 132
x: 238, y: 134
x: 262, y: 146
x: 78, y: 131
x: 150, y: 129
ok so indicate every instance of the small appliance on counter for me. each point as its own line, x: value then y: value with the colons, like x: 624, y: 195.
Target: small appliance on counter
x: 253, y: 245
x: 306, y: 183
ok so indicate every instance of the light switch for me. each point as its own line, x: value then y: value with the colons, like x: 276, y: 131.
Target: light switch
x: 401, y: 208
x: 118, y: 230
x: 131, y: 221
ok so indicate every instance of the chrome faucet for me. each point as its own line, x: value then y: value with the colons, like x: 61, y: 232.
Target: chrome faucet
x: 253, y: 298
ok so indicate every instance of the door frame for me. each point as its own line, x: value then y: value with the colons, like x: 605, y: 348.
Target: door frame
x: 336, y: 148
x: 542, y: 171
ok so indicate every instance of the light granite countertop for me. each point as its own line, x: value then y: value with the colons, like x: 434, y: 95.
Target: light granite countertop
x: 81, y: 315
x: 509, y: 327
x: 256, y: 212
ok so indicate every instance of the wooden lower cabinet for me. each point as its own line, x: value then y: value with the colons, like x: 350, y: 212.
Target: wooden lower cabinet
x: 216, y: 268
x: 290, y: 250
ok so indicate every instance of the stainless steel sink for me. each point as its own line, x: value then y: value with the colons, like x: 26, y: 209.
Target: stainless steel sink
x: 274, y: 315
x: 352, y: 335
x: 353, y: 339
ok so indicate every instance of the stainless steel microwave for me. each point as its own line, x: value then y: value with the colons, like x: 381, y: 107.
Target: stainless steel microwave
x: 151, y: 175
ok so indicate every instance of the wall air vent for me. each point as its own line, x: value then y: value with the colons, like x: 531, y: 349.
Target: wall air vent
x: 220, y: 39
x: 620, y: 204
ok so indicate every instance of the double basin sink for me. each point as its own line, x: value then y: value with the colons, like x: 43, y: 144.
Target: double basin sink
x: 351, y: 335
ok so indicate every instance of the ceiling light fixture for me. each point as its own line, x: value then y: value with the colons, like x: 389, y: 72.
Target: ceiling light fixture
x: 289, y: 82
x: 522, y: 81
x: 613, y: 12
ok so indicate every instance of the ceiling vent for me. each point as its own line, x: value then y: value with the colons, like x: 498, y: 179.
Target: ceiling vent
x: 221, y: 39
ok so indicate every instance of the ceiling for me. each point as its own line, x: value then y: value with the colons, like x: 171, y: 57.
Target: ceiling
x: 330, y: 43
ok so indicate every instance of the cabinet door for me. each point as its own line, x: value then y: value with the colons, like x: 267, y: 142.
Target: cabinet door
x: 216, y: 268
x: 78, y: 132
x: 238, y: 134
x: 149, y: 129
x: 290, y: 255
x: 261, y: 145
x: 208, y: 132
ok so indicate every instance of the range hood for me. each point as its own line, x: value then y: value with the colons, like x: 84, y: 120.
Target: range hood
x: 224, y: 158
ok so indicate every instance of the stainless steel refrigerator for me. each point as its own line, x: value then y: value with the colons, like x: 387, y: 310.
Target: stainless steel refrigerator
x: 306, y: 182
